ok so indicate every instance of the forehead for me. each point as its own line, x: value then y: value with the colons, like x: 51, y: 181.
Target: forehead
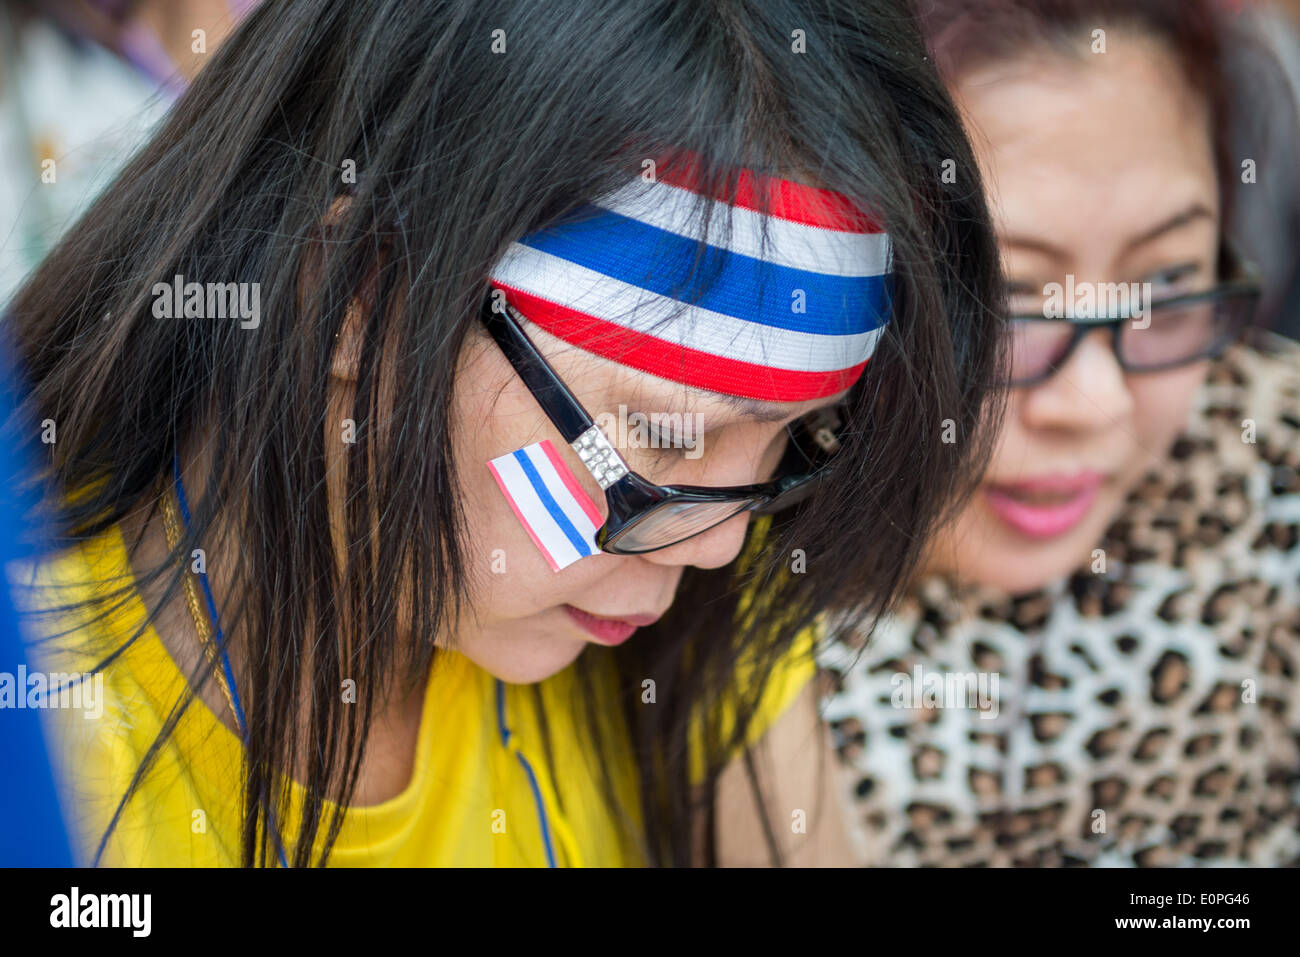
x: 1117, y: 140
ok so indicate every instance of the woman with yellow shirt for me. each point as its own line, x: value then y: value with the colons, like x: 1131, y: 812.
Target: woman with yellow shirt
x: 409, y: 398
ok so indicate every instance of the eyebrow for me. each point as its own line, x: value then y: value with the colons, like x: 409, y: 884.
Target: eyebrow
x: 753, y: 409
x: 1180, y: 219
x: 1192, y: 213
x: 749, y: 408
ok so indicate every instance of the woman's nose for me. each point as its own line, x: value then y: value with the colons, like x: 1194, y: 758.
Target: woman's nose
x: 1089, y: 392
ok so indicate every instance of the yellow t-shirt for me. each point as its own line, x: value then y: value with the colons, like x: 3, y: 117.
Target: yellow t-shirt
x: 477, y: 797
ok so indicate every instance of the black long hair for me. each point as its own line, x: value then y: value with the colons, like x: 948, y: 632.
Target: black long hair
x: 458, y: 151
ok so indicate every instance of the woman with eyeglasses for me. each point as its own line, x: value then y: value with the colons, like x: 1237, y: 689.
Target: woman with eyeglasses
x: 1096, y: 663
x: 322, y: 374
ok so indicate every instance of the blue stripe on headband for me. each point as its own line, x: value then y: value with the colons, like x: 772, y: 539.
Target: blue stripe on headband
x: 714, y: 278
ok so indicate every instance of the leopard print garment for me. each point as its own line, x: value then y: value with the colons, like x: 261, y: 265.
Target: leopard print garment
x: 1144, y: 714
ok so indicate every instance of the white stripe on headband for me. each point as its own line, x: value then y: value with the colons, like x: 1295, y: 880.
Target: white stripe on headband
x: 796, y: 245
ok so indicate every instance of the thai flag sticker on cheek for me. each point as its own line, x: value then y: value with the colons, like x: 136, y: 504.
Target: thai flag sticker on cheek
x: 549, y: 502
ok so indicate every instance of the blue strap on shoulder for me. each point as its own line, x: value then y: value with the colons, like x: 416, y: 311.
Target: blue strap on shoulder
x: 528, y: 769
x: 221, y: 643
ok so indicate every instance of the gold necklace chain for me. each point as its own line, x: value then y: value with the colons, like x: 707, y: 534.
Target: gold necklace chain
x: 172, y: 526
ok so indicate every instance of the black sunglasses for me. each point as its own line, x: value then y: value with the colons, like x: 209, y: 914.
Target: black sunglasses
x: 645, y: 516
x: 1181, y: 330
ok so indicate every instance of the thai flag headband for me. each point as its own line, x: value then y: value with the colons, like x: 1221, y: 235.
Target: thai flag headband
x: 783, y: 301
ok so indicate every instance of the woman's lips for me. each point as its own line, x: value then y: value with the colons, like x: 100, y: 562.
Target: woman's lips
x: 1047, y: 506
x: 609, y: 631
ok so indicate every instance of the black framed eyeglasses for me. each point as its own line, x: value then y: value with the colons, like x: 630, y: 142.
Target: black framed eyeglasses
x: 1181, y: 330
x: 644, y: 516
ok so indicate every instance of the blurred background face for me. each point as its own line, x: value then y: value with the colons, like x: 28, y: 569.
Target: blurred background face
x: 1099, y: 167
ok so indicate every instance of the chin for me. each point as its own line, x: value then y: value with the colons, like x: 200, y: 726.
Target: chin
x: 1018, y: 564
x: 524, y: 661
x: 1019, y: 577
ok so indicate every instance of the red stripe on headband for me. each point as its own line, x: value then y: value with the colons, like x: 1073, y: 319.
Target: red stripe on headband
x: 768, y: 195
x: 677, y: 363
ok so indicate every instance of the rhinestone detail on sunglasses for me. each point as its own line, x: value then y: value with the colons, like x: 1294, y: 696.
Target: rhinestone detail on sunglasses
x: 601, y: 459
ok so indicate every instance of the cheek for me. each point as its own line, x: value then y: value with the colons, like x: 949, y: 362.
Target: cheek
x: 1163, y: 404
x: 1019, y: 446
x: 494, y: 414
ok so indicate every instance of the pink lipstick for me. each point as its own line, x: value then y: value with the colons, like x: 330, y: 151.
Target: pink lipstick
x: 1047, y: 506
x: 608, y: 631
